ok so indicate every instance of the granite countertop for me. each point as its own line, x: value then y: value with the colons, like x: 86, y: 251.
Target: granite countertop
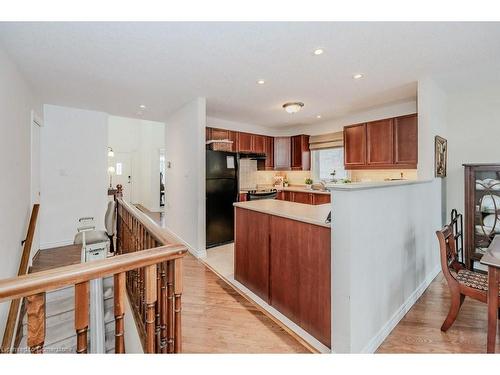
x: 307, y: 213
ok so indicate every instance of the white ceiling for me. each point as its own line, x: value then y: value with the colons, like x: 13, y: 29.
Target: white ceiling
x: 115, y: 67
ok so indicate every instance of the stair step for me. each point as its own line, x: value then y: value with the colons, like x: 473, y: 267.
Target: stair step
x: 58, y: 310
x: 68, y: 345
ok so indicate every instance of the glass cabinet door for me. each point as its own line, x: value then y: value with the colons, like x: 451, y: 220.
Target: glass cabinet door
x: 486, y: 209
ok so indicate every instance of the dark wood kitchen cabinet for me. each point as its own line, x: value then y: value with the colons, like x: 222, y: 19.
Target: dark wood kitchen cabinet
x: 259, y: 143
x: 251, y: 251
x: 245, y: 142
x: 300, y: 274
x: 406, y: 141
x: 300, y: 153
x: 382, y: 144
x: 219, y: 134
x: 287, y: 263
x: 282, y: 153
x: 269, y: 151
x: 354, y: 145
x: 379, y: 142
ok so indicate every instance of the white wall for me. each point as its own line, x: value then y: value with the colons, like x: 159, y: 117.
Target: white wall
x: 382, y: 260
x: 17, y: 99
x: 473, y: 137
x: 185, y: 178
x: 142, y: 139
x: 73, y: 172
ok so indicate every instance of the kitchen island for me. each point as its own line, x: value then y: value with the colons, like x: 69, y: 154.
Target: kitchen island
x: 282, y: 253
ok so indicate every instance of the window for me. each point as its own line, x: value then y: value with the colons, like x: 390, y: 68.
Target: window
x: 118, y: 169
x: 325, y: 161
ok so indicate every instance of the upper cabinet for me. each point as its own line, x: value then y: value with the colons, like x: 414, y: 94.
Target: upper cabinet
x: 300, y: 154
x: 379, y: 149
x: 382, y: 144
x: 219, y: 134
x: 282, y: 153
x: 406, y: 140
x: 245, y: 142
x: 269, y: 151
x: 354, y: 145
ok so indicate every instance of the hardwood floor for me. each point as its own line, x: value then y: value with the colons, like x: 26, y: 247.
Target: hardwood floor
x: 215, y: 318
x: 419, y: 331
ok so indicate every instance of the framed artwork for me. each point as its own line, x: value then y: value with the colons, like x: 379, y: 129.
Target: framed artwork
x: 440, y: 156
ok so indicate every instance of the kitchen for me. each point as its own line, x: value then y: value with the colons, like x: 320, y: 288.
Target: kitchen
x: 269, y: 210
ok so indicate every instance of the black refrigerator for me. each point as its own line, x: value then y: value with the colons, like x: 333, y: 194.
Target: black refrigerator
x: 221, y: 193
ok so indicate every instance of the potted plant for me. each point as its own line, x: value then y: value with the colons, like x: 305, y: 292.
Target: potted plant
x: 309, y: 183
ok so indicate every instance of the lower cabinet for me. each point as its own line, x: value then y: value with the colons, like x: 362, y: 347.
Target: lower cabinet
x: 287, y: 264
x: 251, y: 251
x: 303, y: 197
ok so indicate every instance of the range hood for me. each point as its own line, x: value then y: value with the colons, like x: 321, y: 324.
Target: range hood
x: 252, y: 156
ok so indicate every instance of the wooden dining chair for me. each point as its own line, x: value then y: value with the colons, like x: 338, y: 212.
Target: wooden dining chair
x: 461, y: 281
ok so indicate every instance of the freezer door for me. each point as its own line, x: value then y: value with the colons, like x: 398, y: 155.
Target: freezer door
x: 221, y: 164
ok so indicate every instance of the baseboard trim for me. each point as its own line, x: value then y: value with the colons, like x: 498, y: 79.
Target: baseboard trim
x: 50, y: 245
x: 196, y: 253
x: 382, y: 334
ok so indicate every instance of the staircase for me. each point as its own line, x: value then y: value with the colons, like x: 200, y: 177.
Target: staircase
x: 60, y: 336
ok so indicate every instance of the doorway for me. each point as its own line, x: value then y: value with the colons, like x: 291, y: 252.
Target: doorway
x: 124, y: 174
x: 35, y: 130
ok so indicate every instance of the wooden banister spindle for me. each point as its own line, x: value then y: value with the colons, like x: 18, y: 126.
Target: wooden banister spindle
x: 150, y: 288
x: 170, y: 306
x: 119, y: 309
x: 81, y: 316
x: 163, y: 308
x: 36, y: 322
x: 178, y: 294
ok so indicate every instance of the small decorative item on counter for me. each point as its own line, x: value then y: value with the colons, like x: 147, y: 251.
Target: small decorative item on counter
x: 333, y: 176
x: 285, y: 182
x: 345, y: 180
x: 309, y: 183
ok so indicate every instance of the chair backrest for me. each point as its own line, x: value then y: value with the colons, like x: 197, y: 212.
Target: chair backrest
x: 448, y: 250
x: 110, y: 217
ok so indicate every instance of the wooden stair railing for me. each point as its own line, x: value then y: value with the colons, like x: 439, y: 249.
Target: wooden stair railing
x: 34, y: 286
x: 23, y: 268
x: 154, y: 292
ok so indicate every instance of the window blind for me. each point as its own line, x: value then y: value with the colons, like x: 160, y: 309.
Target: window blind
x: 329, y: 140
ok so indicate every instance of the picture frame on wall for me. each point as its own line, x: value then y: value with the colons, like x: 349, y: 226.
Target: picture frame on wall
x: 440, y: 156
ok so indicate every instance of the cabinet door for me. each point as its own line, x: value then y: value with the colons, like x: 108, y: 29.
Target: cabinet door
x: 379, y: 141
x: 301, y: 156
x: 282, y: 153
x: 300, y: 274
x: 321, y: 198
x: 259, y: 144
x: 354, y: 145
x: 300, y: 197
x: 251, y: 251
x: 269, y: 151
x: 218, y: 134
x: 245, y: 142
x: 406, y: 141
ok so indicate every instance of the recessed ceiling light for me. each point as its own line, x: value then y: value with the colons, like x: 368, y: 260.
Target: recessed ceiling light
x: 142, y: 106
x: 261, y: 82
x: 318, y: 116
x: 293, y: 107
x: 318, y: 51
x: 357, y: 76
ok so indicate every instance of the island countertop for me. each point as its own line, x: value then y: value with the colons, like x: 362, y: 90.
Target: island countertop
x: 312, y: 214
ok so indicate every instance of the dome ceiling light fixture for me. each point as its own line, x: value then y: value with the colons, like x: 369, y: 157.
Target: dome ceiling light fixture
x: 293, y: 107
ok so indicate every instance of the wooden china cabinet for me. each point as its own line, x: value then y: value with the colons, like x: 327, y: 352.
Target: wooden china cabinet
x: 482, y: 209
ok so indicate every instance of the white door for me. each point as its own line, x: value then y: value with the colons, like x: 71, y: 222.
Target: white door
x: 122, y: 162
